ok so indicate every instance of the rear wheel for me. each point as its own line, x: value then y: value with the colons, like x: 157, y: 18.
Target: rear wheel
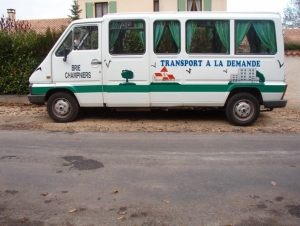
x: 242, y: 109
x: 62, y: 107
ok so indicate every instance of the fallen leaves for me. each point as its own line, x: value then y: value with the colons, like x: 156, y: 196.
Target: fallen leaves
x: 113, y: 191
x: 24, y: 219
x: 121, y: 218
x: 166, y: 201
x: 72, y: 211
x: 122, y: 212
x: 254, y: 196
x: 273, y: 183
x: 44, y: 194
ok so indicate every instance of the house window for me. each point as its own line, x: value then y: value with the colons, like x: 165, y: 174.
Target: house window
x: 255, y: 37
x: 127, y: 37
x: 166, y: 36
x: 207, y: 36
x: 156, y: 5
x: 101, y: 9
x: 194, y: 5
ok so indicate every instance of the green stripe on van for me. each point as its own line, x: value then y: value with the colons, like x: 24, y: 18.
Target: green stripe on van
x: 126, y: 88
x: 162, y: 87
x: 40, y: 90
x: 85, y: 89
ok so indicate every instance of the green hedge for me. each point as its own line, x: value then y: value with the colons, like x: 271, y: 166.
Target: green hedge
x: 21, y: 53
x: 291, y: 46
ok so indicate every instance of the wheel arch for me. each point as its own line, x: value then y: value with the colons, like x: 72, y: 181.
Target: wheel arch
x: 56, y: 90
x: 253, y: 91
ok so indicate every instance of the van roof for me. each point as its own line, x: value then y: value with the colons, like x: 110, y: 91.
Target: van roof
x: 185, y: 14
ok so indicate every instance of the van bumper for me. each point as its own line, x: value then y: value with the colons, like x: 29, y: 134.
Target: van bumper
x: 37, y: 99
x: 275, y: 104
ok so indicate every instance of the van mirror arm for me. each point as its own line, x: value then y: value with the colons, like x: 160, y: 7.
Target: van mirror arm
x: 65, y: 55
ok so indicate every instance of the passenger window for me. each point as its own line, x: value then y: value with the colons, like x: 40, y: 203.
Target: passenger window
x: 81, y: 38
x: 127, y: 37
x: 85, y: 38
x: 255, y: 37
x: 207, y: 36
x: 167, y: 36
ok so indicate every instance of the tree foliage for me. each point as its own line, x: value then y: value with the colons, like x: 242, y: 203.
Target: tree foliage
x: 75, y: 11
x: 10, y: 25
x: 291, y: 17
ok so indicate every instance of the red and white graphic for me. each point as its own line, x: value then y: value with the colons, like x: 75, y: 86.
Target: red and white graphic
x: 163, y: 76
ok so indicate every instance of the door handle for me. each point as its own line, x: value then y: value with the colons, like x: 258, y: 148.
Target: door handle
x: 95, y: 63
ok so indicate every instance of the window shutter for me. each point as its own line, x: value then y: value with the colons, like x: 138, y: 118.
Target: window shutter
x: 181, y: 5
x: 207, y: 5
x: 89, y: 10
x: 112, y: 6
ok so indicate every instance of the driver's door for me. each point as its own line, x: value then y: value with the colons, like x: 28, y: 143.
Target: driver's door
x: 77, y: 64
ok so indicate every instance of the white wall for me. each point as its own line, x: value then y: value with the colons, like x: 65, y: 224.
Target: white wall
x: 293, y: 80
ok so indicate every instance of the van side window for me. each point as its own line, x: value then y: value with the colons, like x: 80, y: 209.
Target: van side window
x: 207, y: 36
x: 166, y: 36
x: 127, y: 37
x: 66, y: 47
x: 255, y: 37
x: 85, y: 38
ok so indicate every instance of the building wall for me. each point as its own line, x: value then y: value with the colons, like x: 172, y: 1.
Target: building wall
x: 168, y: 5
x: 291, y: 65
x: 219, y: 5
x: 147, y: 5
x: 134, y: 6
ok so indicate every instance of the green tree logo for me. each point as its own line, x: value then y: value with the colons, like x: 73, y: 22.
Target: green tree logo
x: 127, y: 74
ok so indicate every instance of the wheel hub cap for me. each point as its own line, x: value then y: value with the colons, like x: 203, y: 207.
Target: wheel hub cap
x: 243, y: 109
x: 62, y: 107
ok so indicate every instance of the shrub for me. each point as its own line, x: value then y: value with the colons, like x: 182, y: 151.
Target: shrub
x: 291, y: 46
x: 17, y: 61
x: 22, y: 50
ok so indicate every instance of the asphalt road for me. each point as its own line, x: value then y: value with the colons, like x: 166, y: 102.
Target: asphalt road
x: 149, y: 179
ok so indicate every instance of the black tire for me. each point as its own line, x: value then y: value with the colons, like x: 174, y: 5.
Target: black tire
x: 62, y: 107
x: 242, y: 109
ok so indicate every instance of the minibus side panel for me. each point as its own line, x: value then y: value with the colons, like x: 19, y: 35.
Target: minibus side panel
x: 126, y: 62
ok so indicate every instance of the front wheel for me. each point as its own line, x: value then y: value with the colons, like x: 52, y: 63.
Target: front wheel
x: 62, y: 107
x: 242, y: 109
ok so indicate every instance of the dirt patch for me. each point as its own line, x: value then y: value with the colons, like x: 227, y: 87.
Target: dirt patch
x: 258, y: 222
x: 294, y: 210
x: 24, y: 222
x: 33, y: 117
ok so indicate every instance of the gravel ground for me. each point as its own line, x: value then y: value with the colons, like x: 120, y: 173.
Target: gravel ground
x: 33, y: 117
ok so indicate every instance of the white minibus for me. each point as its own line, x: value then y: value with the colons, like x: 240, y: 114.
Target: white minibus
x: 231, y: 61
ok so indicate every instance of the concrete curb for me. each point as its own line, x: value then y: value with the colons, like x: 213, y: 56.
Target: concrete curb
x: 13, y: 99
